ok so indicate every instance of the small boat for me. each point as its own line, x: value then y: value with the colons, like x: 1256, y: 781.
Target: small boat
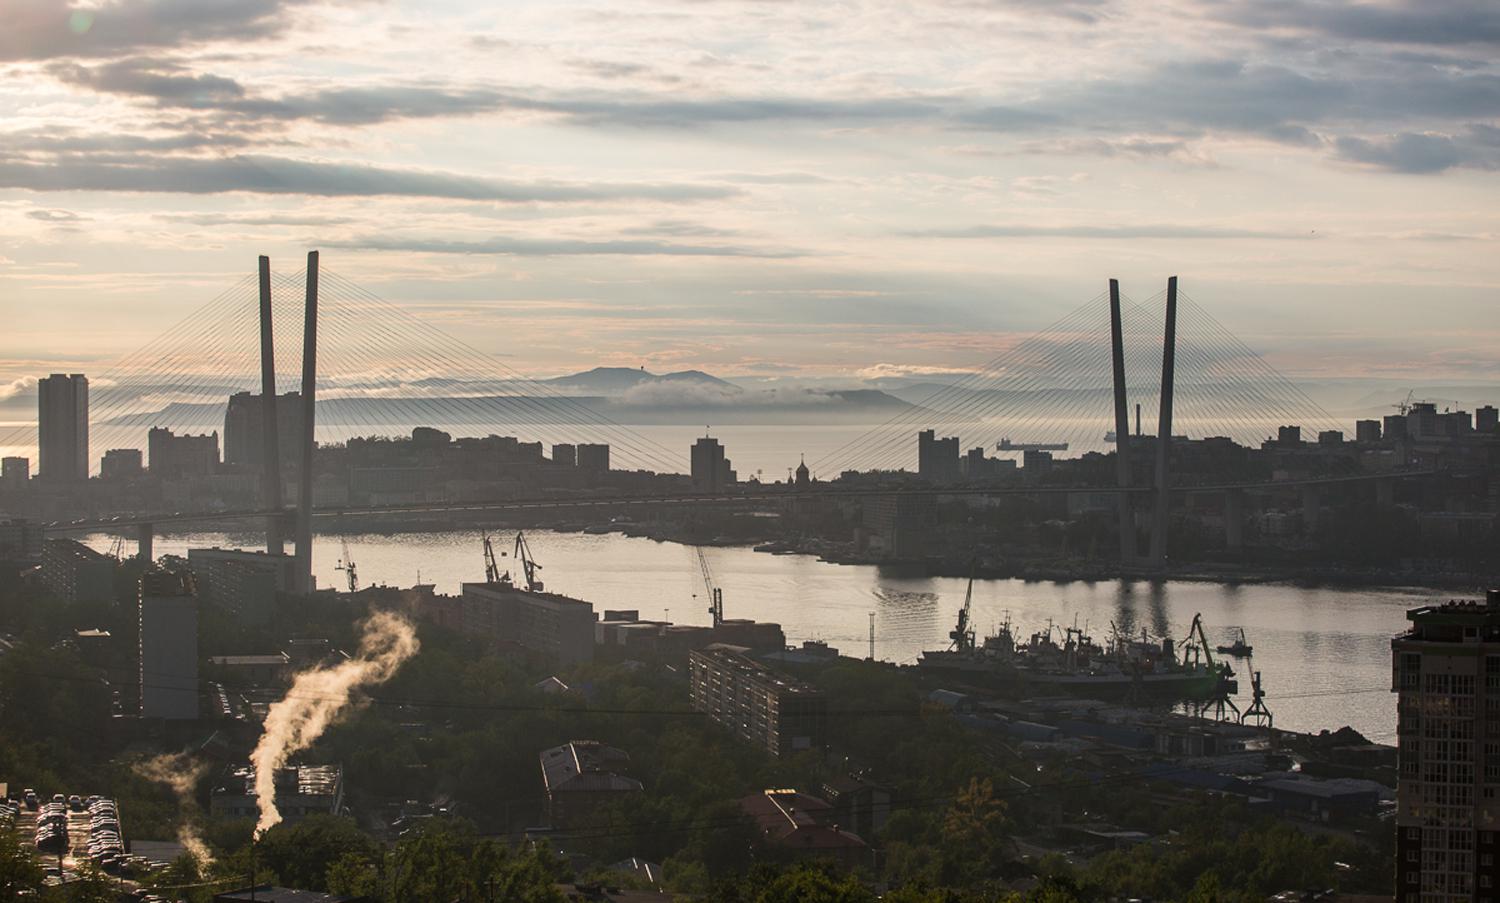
x: 1238, y: 648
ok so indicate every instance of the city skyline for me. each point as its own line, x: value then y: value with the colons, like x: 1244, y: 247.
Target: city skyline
x: 669, y: 186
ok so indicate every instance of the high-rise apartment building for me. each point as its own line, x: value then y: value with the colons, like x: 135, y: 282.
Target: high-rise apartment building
x: 168, y: 645
x: 711, y: 471
x: 244, y: 429
x: 14, y: 472
x: 937, y: 459
x: 593, y: 456
x: 1446, y: 670
x: 63, y: 427
x: 779, y: 714
x: 173, y: 457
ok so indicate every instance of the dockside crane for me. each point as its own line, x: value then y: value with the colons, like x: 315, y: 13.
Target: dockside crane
x: 346, y: 564
x: 528, y: 565
x: 492, y: 573
x: 715, y: 594
x: 962, y: 635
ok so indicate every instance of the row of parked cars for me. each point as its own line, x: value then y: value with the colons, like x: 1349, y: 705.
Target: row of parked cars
x: 106, y: 848
x: 51, y: 824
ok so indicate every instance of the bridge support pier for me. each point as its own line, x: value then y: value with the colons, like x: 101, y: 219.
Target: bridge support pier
x: 1385, y: 494
x: 1122, y: 427
x: 270, y: 449
x: 304, y: 579
x: 1160, y: 517
x: 1312, y: 506
x: 1234, y: 519
x: 145, y: 548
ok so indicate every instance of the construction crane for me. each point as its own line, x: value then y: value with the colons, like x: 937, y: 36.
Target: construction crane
x: 962, y: 635
x: 346, y: 564
x: 528, y: 565
x: 715, y: 594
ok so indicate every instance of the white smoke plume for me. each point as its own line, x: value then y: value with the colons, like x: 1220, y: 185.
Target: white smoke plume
x: 319, y: 696
x: 181, y: 772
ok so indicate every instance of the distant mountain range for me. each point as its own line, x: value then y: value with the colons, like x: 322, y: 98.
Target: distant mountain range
x: 617, y: 380
x: 604, y: 394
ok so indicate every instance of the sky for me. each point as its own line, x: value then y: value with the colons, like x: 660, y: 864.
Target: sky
x: 762, y: 189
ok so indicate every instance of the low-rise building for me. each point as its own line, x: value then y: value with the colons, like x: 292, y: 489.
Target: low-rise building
x: 76, y: 573
x: 804, y: 826
x: 20, y: 540
x: 554, y: 627
x: 580, y: 777
x: 775, y: 712
x: 237, y: 671
x: 301, y: 790
x: 243, y: 581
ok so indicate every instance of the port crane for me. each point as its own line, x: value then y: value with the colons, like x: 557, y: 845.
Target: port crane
x: 529, y: 567
x: 962, y: 635
x: 715, y: 594
x: 346, y: 564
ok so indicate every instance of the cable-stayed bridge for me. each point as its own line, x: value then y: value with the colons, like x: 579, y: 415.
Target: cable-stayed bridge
x: 370, y: 368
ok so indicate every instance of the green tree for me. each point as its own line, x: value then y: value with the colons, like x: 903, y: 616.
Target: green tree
x: 19, y: 868
x: 300, y: 853
x: 974, y: 831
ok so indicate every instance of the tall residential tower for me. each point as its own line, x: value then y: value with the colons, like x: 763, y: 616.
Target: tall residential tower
x: 1446, y: 670
x: 63, y: 427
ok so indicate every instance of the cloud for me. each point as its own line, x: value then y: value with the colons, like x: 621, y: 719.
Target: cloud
x: 170, y: 85
x: 280, y: 175
x: 270, y: 219
x: 51, y: 29
x: 23, y: 386
x: 548, y: 247
x: 1430, y: 22
x: 877, y: 372
x: 56, y: 216
x: 1425, y: 152
x: 1112, y: 232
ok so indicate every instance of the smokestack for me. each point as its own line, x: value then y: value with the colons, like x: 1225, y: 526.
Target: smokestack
x: 316, y: 699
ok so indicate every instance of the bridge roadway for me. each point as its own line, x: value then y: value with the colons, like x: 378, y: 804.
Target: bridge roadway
x: 762, y: 496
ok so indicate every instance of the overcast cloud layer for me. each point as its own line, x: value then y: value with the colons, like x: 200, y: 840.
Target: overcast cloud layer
x: 762, y: 189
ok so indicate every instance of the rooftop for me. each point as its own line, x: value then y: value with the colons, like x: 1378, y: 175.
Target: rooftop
x: 299, y: 780
x: 737, y: 658
x: 585, y: 765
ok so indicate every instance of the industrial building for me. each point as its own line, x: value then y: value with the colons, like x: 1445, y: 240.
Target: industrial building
x: 73, y: 572
x: 554, y: 627
x: 768, y: 709
x: 63, y: 427
x: 1446, y: 670
x: 301, y: 790
x: 168, y: 645
x: 582, y: 776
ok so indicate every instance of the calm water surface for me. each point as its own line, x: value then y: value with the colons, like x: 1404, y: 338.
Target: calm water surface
x: 1324, y: 653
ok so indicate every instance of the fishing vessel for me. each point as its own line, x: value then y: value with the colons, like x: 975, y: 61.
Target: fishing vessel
x: 1068, y: 660
x: 1238, y: 648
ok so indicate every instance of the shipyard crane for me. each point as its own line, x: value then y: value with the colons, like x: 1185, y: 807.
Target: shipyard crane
x: 963, y: 634
x: 492, y: 573
x: 715, y: 594
x: 346, y: 564
x: 528, y: 565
